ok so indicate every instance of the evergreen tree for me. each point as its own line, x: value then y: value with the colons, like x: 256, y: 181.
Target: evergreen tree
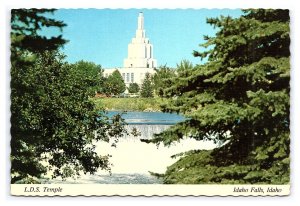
x: 133, y: 88
x: 147, y: 87
x: 25, y: 36
x: 162, y: 79
x: 239, y: 99
x: 114, y: 84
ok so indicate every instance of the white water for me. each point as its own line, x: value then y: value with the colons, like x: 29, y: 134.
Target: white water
x: 132, y: 159
x: 133, y: 156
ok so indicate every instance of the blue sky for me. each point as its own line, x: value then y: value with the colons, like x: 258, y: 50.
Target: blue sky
x: 102, y: 35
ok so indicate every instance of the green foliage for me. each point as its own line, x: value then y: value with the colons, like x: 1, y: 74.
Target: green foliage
x: 54, y: 124
x: 25, y: 43
x: 161, y: 79
x: 114, y: 84
x: 129, y: 104
x: 147, y: 87
x: 133, y: 88
x: 25, y: 27
x: 90, y: 75
x: 239, y: 98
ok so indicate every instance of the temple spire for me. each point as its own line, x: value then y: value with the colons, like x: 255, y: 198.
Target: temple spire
x: 140, y: 51
x: 141, y: 21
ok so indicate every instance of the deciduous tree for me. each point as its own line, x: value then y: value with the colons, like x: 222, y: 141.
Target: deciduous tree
x: 114, y: 84
x: 88, y: 72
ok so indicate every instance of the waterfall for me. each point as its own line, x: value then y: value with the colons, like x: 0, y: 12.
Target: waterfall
x: 144, y: 131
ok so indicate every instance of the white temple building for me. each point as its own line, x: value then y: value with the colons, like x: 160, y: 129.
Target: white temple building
x: 140, y: 58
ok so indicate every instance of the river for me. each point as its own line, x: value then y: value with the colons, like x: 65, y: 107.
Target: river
x: 132, y: 159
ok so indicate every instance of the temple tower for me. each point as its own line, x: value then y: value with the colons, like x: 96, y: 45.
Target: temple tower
x: 140, y: 59
x: 140, y: 51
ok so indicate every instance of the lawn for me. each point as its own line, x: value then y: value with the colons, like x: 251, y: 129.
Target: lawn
x: 129, y: 104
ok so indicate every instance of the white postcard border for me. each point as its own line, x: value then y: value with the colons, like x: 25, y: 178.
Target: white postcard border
x: 147, y: 190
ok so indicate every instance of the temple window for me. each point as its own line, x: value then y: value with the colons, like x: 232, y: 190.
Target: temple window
x: 127, y: 77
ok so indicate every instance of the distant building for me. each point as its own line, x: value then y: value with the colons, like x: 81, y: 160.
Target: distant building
x: 140, y: 58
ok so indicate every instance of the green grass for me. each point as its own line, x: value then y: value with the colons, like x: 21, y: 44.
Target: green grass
x: 128, y: 104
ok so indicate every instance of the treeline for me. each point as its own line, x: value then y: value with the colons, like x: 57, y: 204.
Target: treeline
x: 152, y: 85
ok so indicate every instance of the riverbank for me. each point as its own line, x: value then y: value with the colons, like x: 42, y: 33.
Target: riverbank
x: 129, y: 104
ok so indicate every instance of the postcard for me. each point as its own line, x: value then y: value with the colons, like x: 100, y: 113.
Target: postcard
x: 150, y: 102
